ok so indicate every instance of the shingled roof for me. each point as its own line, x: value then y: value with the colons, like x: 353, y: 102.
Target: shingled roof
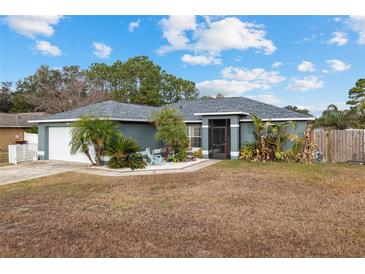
x: 235, y: 104
x: 110, y: 109
x: 19, y: 119
x: 132, y: 112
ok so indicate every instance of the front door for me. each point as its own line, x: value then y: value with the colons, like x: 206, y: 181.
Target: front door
x: 219, y: 139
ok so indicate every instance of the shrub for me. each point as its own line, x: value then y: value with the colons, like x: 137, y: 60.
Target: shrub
x: 181, y: 155
x: 198, y: 153
x: 171, y: 158
x: 33, y: 129
x: 122, y: 153
x: 249, y: 152
x: 133, y: 161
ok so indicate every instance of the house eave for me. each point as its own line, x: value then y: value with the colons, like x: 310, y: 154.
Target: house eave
x: 221, y: 113
x: 112, y: 119
x: 281, y: 119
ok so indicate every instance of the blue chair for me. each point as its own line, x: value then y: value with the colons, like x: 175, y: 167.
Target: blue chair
x: 154, y: 159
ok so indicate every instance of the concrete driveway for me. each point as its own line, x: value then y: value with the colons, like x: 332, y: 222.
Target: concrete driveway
x: 32, y: 170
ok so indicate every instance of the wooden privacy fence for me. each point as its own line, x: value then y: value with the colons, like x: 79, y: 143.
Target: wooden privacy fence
x: 341, y: 145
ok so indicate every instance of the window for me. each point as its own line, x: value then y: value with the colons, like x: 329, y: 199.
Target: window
x: 194, y: 135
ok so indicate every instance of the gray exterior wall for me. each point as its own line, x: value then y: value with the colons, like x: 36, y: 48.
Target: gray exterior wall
x: 143, y: 133
x: 247, y: 129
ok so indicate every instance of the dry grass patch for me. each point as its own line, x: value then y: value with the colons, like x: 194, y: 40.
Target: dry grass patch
x: 232, y: 209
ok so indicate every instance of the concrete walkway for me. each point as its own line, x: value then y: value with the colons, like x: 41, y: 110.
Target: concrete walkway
x: 167, y: 168
x: 31, y: 170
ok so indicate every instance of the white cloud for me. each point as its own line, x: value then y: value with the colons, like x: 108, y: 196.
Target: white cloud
x: 258, y: 75
x: 266, y: 98
x: 357, y: 24
x: 226, y: 87
x: 133, y: 25
x: 306, y: 66
x: 201, y: 60
x: 277, y: 65
x: 232, y: 33
x: 338, y: 38
x: 31, y: 26
x: 213, y: 36
x: 102, y: 50
x: 238, y: 80
x: 306, y: 83
x: 46, y: 48
x: 174, y: 31
x: 337, y: 65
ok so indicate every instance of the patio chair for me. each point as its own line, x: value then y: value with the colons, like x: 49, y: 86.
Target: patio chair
x: 154, y: 159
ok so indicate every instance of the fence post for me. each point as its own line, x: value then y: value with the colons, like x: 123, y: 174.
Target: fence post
x: 328, y: 145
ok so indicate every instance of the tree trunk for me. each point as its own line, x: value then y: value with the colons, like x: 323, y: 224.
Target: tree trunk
x: 97, y: 155
x: 89, y: 157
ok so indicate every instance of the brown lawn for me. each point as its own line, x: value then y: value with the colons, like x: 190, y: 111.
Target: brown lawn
x: 232, y: 209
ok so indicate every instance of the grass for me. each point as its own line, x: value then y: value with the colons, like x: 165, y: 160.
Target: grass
x: 231, y: 209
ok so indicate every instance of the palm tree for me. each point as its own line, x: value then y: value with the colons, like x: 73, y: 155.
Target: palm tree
x: 271, y: 137
x: 332, y: 117
x: 171, y: 129
x: 89, y: 131
x: 278, y: 136
x: 78, y: 143
x: 260, y: 133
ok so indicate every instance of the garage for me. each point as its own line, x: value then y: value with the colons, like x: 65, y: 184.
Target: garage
x: 59, y: 139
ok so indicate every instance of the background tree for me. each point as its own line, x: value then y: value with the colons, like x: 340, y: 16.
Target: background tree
x: 205, y: 97
x: 21, y: 103
x: 219, y: 95
x: 55, y: 91
x: 5, y: 96
x: 296, y: 109
x: 357, y: 96
x: 174, y: 89
x: 138, y: 81
x: 333, y: 118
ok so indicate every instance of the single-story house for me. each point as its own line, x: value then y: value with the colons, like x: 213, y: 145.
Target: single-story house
x: 219, y: 126
x: 13, y: 126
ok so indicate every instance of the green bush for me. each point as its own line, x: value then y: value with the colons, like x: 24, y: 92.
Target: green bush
x: 181, y: 155
x: 171, y: 158
x: 33, y: 129
x: 122, y: 153
x: 133, y: 161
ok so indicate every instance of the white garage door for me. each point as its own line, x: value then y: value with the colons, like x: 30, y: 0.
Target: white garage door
x: 59, y: 146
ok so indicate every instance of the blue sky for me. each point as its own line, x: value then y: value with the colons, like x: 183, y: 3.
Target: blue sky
x: 308, y: 61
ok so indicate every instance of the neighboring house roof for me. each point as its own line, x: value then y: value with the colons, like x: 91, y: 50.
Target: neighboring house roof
x: 19, y: 120
x: 192, y: 110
